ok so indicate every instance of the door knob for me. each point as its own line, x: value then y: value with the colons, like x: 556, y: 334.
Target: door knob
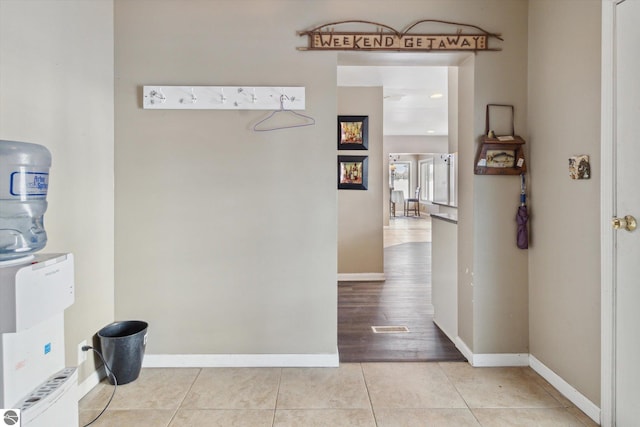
x: 628, y: 223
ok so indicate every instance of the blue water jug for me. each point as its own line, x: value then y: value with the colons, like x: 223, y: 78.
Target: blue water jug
x: 24, y: 182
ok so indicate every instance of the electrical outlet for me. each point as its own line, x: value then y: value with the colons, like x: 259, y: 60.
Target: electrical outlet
x: 82, y: 355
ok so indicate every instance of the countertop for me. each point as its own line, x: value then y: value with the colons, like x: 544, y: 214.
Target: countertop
x: 448, y: 217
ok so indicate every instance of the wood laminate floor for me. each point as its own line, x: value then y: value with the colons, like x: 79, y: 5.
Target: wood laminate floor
x: 403, y: 299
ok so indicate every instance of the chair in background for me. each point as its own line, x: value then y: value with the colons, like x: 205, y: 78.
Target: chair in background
x: 397, y: 197
x: 416, y: 204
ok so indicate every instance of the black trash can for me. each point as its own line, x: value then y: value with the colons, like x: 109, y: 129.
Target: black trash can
x: 123, y: 345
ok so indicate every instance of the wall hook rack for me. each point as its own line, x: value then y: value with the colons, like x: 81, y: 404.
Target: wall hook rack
x: 223, y: 97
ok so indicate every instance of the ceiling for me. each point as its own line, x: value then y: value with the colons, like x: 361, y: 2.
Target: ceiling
x: 409, y: 105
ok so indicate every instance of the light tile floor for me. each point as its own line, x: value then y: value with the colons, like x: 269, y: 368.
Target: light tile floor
x: 355, y: 394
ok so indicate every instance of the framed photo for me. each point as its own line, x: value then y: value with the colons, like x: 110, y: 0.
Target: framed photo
x: 495, y: 157
x: 501, y: 158
x: 352, y: 172
x: 353, y: 132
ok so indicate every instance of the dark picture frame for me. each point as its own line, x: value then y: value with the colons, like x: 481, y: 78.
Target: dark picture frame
x: 353, y: 132
x: 353, y: 172
x: 495, y: 157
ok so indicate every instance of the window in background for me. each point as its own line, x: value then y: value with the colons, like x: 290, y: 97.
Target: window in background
x: 453, y: 182
x: 399, y: 174
x: 426, y: 180
x: 441, y: 179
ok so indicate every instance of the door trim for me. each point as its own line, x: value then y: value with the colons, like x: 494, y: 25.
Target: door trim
x: 607, y: 203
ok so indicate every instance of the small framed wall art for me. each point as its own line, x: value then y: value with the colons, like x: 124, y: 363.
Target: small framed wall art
x: 579, y: 167
x: 353, y: 132
x: 352, y: 172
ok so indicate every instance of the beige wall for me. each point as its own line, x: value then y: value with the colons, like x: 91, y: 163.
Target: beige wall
x: 56, y: 81
x: 493, y: 271
x: 564, y: 118
x: 235, y: 261
x: 360, y: 243
x: 225, y: 238
x: 466, y: 154
x: 499, y: 269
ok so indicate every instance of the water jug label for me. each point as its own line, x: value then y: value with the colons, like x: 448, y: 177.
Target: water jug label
x: 29, y: 184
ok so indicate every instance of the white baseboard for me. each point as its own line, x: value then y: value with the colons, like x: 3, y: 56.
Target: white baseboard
x: 508, y: 359
x: 361, y: 277
x: 466, y: 351
x: 241, y: 360
x: 577, y: 398
x: 491, y: 360
x: 90, y: 382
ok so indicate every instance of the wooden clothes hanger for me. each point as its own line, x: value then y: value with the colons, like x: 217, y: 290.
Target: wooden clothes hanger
x: 308, y: 121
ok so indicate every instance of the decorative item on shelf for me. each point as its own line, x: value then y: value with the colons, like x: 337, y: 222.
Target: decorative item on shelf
x: 500, y: 155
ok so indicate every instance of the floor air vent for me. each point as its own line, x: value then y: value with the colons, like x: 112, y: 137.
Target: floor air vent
x: 390, y: 329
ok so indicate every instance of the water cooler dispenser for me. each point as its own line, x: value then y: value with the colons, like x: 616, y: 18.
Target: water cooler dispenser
x: 34, y: 292
x: 33, y: 296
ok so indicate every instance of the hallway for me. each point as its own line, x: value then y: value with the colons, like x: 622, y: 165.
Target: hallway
x: 403, y: 299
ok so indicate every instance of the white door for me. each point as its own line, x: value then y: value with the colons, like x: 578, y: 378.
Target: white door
x: 626, y: 259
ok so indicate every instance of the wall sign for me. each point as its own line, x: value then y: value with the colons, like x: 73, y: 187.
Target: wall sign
x: 325, y: 37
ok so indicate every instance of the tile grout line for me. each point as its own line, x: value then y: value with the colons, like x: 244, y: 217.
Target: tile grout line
x: 366, y: 386
x: 184, y: 397
x: 473, y: 414
x: 275, y: 406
